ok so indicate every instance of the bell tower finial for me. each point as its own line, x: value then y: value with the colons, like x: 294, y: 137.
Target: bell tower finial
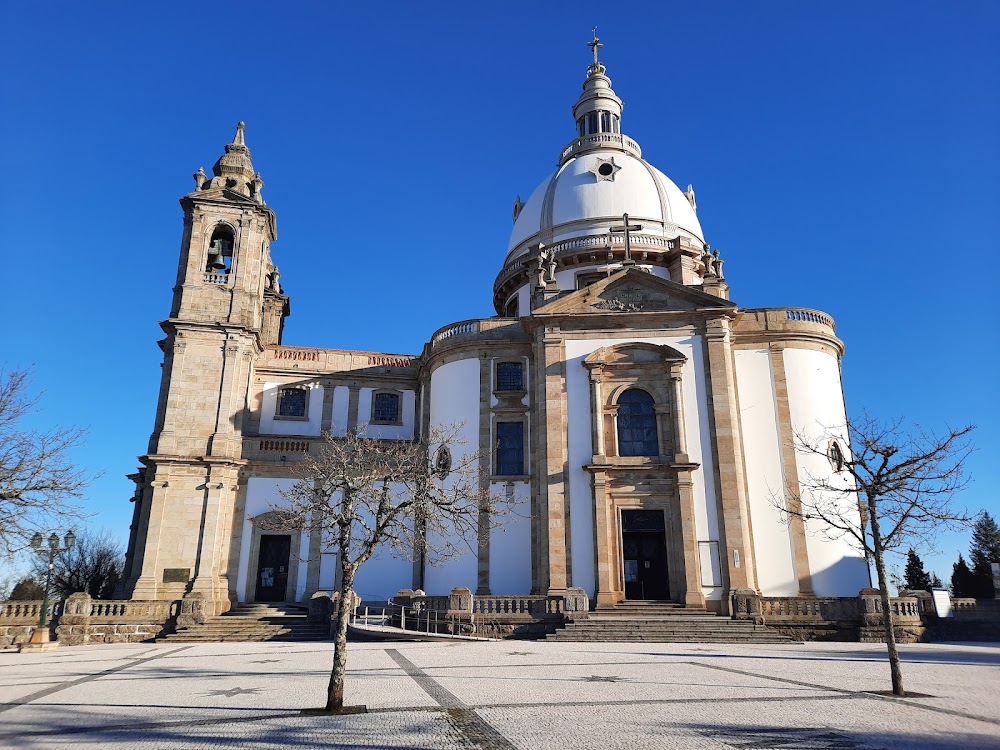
x: 238, y: 139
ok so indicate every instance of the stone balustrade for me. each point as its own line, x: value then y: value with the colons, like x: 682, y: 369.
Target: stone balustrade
x: 785, y: 319
x: 483, y: 329
x: 529, y: 607
x: 212, y: 277
x: 26, y: 612
x: 576, y: 251
x: 599, y: 140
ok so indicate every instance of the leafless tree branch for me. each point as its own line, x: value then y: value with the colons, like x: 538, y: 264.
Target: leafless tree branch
x: 38, y: 480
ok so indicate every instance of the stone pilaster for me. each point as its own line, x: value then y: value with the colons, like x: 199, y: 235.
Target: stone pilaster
x: 147, y: 584
x: 733, y: 507
x: 693, y: 595
x: 353, y: 394
x: 554, y: 479
x: 326, y: 419
x: 485, y: 450
x: 608, y: 591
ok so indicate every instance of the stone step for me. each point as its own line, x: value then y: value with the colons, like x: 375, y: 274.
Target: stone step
x: 254, y: 622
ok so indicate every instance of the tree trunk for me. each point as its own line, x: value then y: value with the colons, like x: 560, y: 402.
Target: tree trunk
x: 895, y: 669
x: 335, y: 690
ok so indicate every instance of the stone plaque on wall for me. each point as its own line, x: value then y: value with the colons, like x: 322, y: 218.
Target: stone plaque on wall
x: 176, y: 575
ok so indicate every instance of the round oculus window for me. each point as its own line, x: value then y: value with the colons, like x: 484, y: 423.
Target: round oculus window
x: 607, y: 169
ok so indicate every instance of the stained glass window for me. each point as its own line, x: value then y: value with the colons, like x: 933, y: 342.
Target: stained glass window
x: 637, y: 424
x: 385, y: 407
x: 292, y: 402
x: 510, y: 376
x: 510, y: 449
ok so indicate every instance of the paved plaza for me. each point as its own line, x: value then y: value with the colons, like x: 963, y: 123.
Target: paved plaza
x: 512, y: 694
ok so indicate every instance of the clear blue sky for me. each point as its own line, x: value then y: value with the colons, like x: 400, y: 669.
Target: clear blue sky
x: 845, y: 156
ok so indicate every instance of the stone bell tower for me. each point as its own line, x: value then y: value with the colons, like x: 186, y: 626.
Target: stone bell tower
x: 227, y: 306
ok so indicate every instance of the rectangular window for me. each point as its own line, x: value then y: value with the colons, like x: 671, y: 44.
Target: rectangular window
x: 605, y: 122
x: 292, y: 403
x: 385, y: 408
x: 510, y: 376
x: 510, y: 449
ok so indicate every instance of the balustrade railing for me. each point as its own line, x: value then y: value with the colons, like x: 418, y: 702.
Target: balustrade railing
x: 483, y: 328
x: 518, y: 606
x: 211, y: 277
x: 595, y: 140
x: 26, y: 612
x: 599, y: 243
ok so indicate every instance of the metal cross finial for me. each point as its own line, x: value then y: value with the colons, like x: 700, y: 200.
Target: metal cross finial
x: 595, y: 45
x: 626, y: 229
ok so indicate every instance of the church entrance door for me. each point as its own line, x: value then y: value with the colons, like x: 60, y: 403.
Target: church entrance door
x: 272, y: 568
x: 644, y: 555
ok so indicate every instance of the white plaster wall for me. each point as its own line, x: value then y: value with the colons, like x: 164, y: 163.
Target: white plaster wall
x: 765, y: 475
x: 816, y: 403
x: 338, y: 426
x: 581, y: 452
x: 385, y: 573
x: 454, y: 399
x: 271, y: 426
x: 510, y: 544
x: 263, y: 494
x: 407, y: 406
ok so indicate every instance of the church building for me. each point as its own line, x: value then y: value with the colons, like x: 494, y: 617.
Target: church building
x: 642, y: 419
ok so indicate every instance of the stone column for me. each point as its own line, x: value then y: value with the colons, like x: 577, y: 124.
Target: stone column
x: 734, y: 510
x: 786, y: 436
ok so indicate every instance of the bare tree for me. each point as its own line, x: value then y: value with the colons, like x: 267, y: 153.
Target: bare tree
x: 94, y: 565
x: 361, y: 495
x: 38, y: 481
x: 895, y: 487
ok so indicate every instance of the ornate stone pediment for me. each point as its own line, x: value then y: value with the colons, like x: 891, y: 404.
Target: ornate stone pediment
x: 633, y: 291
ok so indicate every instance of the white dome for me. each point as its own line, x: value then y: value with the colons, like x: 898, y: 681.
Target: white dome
x: 576, y: 200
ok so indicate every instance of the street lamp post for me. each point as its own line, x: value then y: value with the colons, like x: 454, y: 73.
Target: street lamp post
x: 40, y: 637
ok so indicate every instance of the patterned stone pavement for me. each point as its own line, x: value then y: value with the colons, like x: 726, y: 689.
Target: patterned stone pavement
x: 502, y: 695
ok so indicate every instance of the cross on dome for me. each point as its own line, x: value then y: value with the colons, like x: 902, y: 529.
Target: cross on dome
x: 595, y: 45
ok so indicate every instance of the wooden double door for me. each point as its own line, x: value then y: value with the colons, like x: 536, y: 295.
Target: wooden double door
x: 644, y: 555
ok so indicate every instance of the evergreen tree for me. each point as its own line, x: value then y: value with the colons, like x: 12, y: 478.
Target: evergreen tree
x: 936, y: 581
x: 962, y: 581
x: 985, y: 549
x: 27, y: 589
x: 915, y: 577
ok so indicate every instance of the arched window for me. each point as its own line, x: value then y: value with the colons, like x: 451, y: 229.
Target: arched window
x: 637, y: 424
x: 220, y: 251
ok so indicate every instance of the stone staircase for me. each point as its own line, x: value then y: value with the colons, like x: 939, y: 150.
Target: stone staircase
x: 254, y: 622
x: 662, y: 622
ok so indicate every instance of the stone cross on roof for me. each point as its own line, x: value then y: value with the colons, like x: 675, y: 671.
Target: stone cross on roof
x: 626, y: 229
